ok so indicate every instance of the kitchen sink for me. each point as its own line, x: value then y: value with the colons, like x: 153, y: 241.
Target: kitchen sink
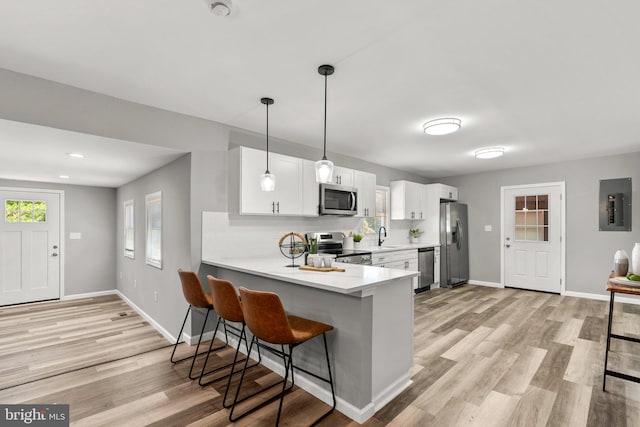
x: 383, y: 247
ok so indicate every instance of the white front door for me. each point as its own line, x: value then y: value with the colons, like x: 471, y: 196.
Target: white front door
x: 29, y: 246
x: 532, y: 233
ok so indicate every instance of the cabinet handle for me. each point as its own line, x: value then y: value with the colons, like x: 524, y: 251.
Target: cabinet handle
x: 420, y: 215
x: 413, y: 215
x: 406, y: 265
x: 273, y: 207
x: 278, y: 205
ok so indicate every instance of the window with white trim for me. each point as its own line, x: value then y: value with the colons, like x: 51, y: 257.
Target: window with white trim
x: 153, y: 214
x: 372, y: 225
x: 129, y: 229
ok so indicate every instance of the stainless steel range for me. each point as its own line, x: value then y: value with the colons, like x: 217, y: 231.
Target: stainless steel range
x: 331, y: 243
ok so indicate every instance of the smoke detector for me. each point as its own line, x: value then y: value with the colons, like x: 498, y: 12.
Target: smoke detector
x: 220, y: 7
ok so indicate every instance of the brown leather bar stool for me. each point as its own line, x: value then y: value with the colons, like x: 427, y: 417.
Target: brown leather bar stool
x: 268, y: 322
x: 227, y: 306
x: 196, y: 297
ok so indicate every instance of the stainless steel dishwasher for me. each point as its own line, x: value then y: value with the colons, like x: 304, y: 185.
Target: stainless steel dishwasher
x: 425, y: 265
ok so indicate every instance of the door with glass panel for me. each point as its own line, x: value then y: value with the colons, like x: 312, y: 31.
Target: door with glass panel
x: 29, y: 246
x: 532, y: 244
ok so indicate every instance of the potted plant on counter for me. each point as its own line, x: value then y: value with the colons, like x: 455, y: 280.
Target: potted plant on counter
x: 414, y: 234
x: 357, y: 238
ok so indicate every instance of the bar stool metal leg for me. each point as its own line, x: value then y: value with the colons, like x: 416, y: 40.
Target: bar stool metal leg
x: 606, y: 354
x: 175, y: 346
x: 285, y: 389
x: 243, y: 335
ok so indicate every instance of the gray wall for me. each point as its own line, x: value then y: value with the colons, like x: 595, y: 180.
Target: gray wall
x: 174, y: 182
x: 590, y: 252
x: 43, y: 102
x: 89, y: 262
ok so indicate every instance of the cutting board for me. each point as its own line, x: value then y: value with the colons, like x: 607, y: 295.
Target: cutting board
x: 323, y: 269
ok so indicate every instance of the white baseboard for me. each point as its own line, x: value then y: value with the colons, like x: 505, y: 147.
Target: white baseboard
x: 618, y: 298
x: 389, y: 393
x: 488, y: 284
x: 148, y: 318
x: 359, y: 415
x: 89, y: 295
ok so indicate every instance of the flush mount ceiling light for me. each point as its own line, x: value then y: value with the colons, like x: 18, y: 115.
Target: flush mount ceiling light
x: 442, y: 126
x: 220, y: 7
x: 267, y: 179
x: 76, y: 155
x: 324, y: 167
x: 489, y: 153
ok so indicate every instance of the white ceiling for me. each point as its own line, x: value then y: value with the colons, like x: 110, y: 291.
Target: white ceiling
x: 550, y: 81
x: 38, y: 153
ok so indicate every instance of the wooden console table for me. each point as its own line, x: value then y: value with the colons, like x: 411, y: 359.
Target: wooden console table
x: 614, y: 288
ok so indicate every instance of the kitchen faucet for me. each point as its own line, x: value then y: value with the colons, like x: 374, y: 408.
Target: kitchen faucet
x: 380, y: 241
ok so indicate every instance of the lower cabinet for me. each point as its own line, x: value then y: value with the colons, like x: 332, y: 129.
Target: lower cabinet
x: 406, y: 259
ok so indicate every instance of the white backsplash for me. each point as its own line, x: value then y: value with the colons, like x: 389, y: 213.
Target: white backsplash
x: 230, y: 236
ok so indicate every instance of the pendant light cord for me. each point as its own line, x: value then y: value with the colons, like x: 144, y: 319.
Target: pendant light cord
x: 267, y: 139
x: 324, y: 150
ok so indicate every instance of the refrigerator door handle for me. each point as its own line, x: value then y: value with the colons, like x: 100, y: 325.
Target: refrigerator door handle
x: 460, y: 234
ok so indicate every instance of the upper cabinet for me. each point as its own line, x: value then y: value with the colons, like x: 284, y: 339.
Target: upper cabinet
x: 287, y: 197
x: 297, y: 193
x: 343, y: 176
x: 365, y: 183
x: 435, y: 194
x: 408, y: 200
x: 445, y: 192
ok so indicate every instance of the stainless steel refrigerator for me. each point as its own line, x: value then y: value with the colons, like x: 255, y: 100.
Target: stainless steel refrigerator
x: 454, y: 249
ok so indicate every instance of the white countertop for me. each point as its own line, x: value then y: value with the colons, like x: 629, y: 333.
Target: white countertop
x: 357, y: 279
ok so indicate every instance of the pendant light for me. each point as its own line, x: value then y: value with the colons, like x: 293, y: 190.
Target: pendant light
x: 267, y: 179
x: 324, y: 167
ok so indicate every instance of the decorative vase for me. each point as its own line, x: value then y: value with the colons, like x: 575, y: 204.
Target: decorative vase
x: 620, y: 263
x: 356, y: 245
x: 635, y: 259
x: 414, y: 239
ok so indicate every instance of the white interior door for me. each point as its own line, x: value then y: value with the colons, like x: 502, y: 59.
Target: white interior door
x: 29, y: 246
x: 532, y: 232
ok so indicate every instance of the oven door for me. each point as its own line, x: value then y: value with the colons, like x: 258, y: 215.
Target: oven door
x: 338, y: 200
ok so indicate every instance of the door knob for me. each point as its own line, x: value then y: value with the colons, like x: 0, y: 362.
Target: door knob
x: 54, y: 254
x: 507, y: 245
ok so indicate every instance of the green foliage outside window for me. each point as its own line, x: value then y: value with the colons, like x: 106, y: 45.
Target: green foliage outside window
x: 25, y: 211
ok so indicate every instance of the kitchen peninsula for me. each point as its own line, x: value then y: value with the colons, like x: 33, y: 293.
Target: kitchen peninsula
x: 371, y: 309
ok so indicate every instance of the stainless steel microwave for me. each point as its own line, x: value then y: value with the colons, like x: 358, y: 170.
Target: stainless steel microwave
x: 338, y: 200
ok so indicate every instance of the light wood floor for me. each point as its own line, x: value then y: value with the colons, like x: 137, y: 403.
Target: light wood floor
x: 483, y: 357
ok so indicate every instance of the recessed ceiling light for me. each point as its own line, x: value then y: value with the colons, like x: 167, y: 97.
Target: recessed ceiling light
x: 64, y: 176
x: 442, y: 126
x: 489, y: 153
x: 76, y: 155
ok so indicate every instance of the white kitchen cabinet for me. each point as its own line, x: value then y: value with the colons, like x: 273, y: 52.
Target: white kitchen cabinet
x: 403, y: 260
x: 408, y: 200
x: 365, y: 183
x: 445, y: 192
x: 287, y: 197
x: 310, y: 189
x: 343, y: 176
x: 435, y: 193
